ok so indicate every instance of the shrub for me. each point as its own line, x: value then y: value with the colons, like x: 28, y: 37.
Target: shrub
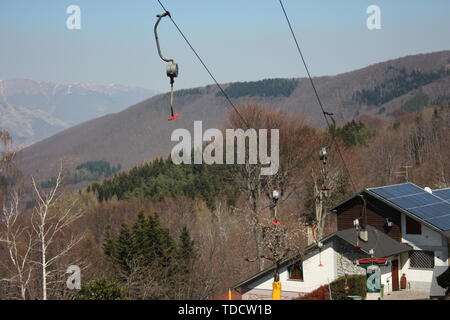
x: 102, y: 289
x: 321, y: 293
x: 356, y: 284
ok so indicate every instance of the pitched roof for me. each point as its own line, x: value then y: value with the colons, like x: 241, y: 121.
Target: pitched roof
x: 286, y: 262
x: 383, y: 246
x: 432, y: 209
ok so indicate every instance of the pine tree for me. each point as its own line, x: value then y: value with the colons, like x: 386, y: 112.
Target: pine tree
x: 109, y: 244
x: 186, y: 252
x: 186, y: 247
x: 139, y: 238
x: 123, y: 253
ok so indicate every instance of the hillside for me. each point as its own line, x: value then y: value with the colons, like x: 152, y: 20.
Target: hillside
x: 32, y: 111
x: 141, y: 132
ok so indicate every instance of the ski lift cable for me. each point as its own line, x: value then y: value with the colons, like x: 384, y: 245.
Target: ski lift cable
x: 203, y: 63
x: 315, y: 91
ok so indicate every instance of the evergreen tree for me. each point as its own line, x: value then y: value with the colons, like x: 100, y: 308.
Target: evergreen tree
x: 140, y: 238
x: 124, y: 250
x: 355, y: 133
x: 186, y: 252
x: 108, y: 244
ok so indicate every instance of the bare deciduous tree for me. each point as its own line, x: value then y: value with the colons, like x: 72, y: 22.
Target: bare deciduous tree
x: 50, y: 218
x: 19, y: 244
x: 295, y: 144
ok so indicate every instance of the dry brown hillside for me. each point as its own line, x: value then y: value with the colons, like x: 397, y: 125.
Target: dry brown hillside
x: 142, y: 132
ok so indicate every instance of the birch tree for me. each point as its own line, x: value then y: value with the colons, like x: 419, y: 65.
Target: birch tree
x: 19, y: 245
x: 50, y: 219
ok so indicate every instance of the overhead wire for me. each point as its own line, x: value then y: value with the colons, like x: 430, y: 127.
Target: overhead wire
x: 203, y: 64
x: 315, y: 91
x: 231, y: 102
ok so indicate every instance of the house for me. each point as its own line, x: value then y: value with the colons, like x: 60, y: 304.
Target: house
x: 404, y: 223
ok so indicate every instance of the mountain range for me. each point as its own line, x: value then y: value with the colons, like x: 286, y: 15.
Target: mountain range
x: 141, y: 132
x: 31, y: 111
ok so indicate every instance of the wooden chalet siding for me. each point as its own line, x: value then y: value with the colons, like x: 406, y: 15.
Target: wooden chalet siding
x: 376, y: 211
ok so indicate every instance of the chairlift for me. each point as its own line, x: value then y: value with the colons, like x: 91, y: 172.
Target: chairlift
x: 171, y: 67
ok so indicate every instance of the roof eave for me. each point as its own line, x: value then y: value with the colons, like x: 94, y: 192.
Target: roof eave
x: 266, y: 271
x: 347, y: 200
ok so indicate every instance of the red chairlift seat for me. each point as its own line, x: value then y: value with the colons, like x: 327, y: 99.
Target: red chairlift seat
x: 175, y: 116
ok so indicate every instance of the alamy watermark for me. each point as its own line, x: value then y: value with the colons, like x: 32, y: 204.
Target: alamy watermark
x: 210, y: 148
x: 74, y: 280
x: 73, y: 22
x: 374, y: 19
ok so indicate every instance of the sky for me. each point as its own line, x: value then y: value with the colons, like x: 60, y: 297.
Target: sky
x: 243, y: 40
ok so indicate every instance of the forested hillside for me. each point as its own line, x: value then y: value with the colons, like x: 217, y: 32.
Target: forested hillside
x: 142, y: 133
x: 162, y: 179
x: 189, y: 232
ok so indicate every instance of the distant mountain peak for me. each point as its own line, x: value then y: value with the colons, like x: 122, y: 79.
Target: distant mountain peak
x: 34, y: 110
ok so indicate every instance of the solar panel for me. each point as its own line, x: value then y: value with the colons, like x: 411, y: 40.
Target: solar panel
x: 442, y: 193
x: 417, y: 200
x: 442, y: 222
x: 433, y: 208
x: 397, y: 190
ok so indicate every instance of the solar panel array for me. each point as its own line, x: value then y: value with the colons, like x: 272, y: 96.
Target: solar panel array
x: 442, y: 193
x: 432, y: 208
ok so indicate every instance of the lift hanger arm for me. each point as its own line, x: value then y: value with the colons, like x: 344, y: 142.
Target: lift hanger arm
x: 160, y: 16
x: 333, y: 133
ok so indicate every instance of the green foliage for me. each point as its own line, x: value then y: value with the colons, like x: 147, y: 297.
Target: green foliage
x: 162, y: 179
x: 148, y: 243
x: 102, y: 289
x: 93, y: 171
x: 186, y: 253
x: 50, y: 183
x: 357, y: 287
x: 417, y: 103
x: 396, y: 86
x: 441, y: 100
x: 122, y: 249
x: 187, y: 92
x: 355, y: 133
x: 263, y: 88
x: 87, y: 171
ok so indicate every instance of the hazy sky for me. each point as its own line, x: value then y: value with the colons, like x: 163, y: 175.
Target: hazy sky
x: 239, y: 40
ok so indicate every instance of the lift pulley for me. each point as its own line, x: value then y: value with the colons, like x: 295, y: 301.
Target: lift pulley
x: 324, y: 158
x: 324, y: 150
x: 171, y: 67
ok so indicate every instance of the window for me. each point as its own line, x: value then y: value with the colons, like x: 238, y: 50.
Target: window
x: 412, y: 226
x: 296, y: 271
x: 421, y: 259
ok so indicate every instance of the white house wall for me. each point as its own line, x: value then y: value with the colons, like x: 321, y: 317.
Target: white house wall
x: 429, y: 240
x: 336, y: 259
x: 313, y: 275
x: 386, y: 277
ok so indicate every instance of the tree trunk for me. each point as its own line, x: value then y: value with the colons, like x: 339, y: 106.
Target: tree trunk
x: 44, y: 270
